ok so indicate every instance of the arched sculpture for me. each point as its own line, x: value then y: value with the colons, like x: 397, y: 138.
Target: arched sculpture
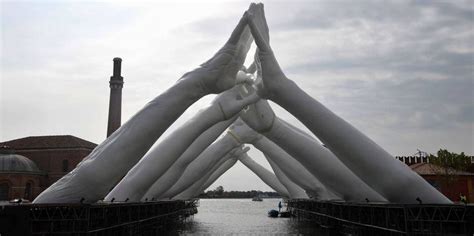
x: 351, y: 168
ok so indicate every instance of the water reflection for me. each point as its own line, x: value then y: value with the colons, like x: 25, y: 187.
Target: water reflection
x: 243, y: 217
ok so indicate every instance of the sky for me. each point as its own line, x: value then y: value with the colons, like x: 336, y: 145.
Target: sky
x: 399, y: 71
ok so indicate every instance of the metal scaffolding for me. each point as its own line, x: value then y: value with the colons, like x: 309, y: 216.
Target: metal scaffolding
x: 386, y: 219
x: 148, y: 218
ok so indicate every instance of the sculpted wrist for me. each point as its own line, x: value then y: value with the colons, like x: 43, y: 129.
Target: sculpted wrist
x: 231, y: 140
x: 277, y: 130
x: 193, y: 86
x: 269, y: 128
x: 234, y: 136
x: 285, y: 87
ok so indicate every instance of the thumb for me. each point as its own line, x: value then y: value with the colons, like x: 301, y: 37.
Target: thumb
x: 242, y: 78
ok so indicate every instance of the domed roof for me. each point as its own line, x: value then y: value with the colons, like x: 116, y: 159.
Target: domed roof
x: 11, y: 162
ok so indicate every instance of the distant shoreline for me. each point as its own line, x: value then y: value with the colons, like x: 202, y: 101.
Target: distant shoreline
x: 273, y: 197
x: 238, y: 194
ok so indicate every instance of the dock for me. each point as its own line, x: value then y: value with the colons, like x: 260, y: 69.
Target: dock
x: 143, y: 218
x: 385, y: 219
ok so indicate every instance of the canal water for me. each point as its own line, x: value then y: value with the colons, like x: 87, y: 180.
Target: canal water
x: 243, y: 217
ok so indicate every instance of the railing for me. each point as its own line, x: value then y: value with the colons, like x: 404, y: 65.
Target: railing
x: 397, y: 219
x: 94, y: 219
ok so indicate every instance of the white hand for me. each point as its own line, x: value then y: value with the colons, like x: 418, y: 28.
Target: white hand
x: 243, y: 133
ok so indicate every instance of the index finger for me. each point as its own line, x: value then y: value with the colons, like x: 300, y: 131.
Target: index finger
x: 235, y: 36
x: 262, y: 44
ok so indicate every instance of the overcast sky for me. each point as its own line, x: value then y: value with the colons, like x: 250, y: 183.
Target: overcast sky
x: 401, y: 71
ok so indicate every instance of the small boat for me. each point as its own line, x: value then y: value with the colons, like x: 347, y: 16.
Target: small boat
x: 257, y: 199
x: 273, y: 213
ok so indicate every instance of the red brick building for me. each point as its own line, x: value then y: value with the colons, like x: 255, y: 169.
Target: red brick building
x: 34, y: 163
x: 462, y: 182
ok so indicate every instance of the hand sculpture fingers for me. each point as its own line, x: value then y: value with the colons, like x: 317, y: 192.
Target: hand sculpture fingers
x: 242, y: 156
x: 252, y: 68
x: 241, y: 150
x: 234, y: 150
x: 233, y: 100
x: 237, y: 32
x: 267, y: 66
x: 258, y: 26
x: 242, y: 78
x: 218, y: 73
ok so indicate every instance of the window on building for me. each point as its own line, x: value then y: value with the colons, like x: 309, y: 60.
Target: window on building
x: 65, y: 165
x: 4, y: 191
x: 28, y: 191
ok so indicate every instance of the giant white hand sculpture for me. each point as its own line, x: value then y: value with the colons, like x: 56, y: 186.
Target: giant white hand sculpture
x: 93, y: 178
x: 201, y: 165
x: 363, y: 156
x: 317, y: 159
x: 265, y: 175
x: 293, y: 169
x: 169, y: 178
x: 296, y: 192
x: 155, y: 163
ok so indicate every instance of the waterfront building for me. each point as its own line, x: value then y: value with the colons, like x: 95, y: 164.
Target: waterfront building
x: 31, y: 164
x: 461, y: 182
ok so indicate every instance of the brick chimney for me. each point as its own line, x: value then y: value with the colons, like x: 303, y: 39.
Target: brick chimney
x: 115, y: 104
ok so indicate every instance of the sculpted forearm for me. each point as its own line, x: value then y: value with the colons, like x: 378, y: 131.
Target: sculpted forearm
x: 265, y: 175
x: 93, y: 178
x: 169, y: 178
x: 201, y: 165
x: 293, y: 169
x: 294, y: 190
x: 197, y: 187
x: 322, y: 164
x: 218, y: 173
x: 155, y: 163
x: 137, y: 181
x: 363, y: 156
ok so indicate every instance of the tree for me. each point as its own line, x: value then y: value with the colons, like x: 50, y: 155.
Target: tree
x: 446, y: 164
x: 219, y: 191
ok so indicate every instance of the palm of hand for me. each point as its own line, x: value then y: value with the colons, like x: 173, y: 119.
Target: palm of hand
x: 218, y: 74
x: 259, y: 116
